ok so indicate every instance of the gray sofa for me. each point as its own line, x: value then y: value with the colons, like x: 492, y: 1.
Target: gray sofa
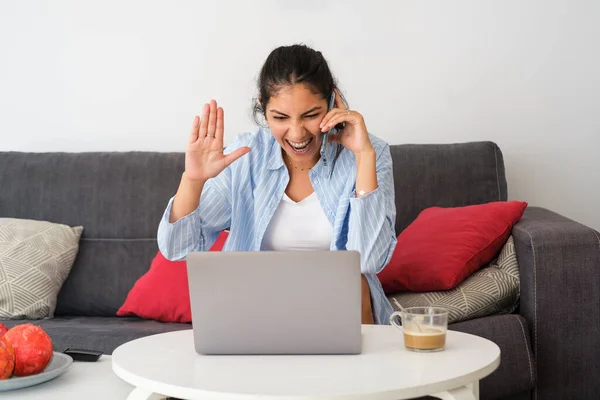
x: 550, y: 346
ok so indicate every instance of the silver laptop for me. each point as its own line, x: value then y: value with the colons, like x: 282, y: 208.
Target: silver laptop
x: 276, y: 302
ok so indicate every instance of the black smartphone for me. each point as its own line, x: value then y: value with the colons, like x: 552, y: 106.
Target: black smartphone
x: 333, y: 131
x: 83, y: 354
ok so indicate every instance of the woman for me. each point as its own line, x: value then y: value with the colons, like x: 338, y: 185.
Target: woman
x: 276, y: 189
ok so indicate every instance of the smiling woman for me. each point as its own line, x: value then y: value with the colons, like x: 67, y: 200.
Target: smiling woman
x: 272, y: 188
x: 296, y: 128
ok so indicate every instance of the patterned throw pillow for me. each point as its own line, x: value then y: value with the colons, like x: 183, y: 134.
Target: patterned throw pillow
x: 491, y: 290
x: 35, y: 259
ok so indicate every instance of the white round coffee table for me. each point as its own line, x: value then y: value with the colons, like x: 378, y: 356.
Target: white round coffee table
x: 167, y: 365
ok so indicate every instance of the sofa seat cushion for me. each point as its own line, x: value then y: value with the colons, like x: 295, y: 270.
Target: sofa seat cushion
x: 516, y: 373
x: 97, y: 333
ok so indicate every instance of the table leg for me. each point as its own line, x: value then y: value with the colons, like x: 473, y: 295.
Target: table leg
x: 468, y: 392
x: 475, y: 388
x: 143, y: 394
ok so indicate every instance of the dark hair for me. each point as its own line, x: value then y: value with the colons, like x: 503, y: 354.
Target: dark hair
x: 288, y: 65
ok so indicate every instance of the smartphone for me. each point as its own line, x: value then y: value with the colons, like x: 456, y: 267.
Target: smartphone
x: 83, y: 354
x: 333, y: 131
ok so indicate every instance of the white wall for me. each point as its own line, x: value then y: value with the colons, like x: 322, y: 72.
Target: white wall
x: 129, y: 75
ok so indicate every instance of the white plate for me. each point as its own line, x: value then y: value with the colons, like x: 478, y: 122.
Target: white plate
x: 58, y: 365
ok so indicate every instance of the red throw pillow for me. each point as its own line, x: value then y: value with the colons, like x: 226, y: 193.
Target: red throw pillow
x: 443, y: 246
x: 162, y: 293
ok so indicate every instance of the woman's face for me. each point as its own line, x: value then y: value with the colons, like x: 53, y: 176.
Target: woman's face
x: 294, y: 114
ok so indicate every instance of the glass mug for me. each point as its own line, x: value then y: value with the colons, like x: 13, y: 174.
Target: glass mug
x: 424, y: 328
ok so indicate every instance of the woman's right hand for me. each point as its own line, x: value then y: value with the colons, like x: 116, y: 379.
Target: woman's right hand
x: 204, y: 158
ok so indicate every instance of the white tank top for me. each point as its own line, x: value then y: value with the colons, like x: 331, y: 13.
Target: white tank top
x: 298, y: 226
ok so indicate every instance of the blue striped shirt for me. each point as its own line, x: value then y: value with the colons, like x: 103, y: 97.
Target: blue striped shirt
x: 245, y: 195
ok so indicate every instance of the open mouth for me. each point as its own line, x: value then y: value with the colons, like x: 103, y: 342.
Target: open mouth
x: 300, y: 147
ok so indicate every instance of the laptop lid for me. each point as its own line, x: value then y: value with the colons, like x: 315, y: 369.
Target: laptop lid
x: 306, y: 302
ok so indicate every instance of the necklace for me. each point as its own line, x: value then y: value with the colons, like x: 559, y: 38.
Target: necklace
x: 298, y: 168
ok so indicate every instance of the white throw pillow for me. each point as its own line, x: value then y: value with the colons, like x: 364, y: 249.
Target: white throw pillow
x: 35, y: 259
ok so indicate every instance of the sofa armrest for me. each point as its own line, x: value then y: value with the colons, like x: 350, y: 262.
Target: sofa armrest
x: 559, y: 262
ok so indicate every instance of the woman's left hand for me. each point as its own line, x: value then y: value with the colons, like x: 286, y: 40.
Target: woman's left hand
x: 354, y: 136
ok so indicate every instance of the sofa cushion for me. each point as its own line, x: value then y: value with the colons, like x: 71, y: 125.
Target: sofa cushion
x: 97, y: 333
x: 35, y: 260
x: 103, y: 274
x: 516, y: 373
x: 119, y: 199
x: 445, y: 175
x: 489, y: 291
x: 114, y: 195
x: 163, y: 293
x: 443, y: 246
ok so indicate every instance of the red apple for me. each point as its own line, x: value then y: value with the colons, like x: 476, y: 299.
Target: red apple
x: 7, y: 359
x: 3, y: 330
x: 33, y: 348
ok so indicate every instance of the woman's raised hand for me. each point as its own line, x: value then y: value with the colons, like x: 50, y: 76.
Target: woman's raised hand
x: 204, y: 158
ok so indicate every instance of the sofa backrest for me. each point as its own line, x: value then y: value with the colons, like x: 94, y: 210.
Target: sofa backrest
x: 119, y: 199
x: 446, y: 175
